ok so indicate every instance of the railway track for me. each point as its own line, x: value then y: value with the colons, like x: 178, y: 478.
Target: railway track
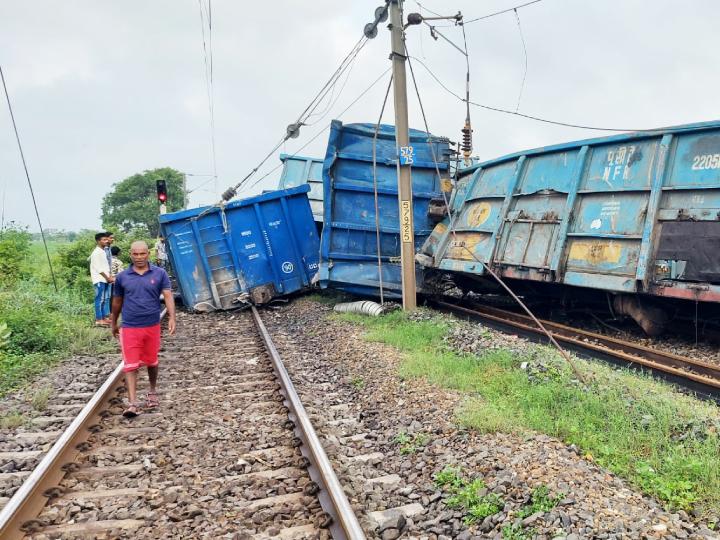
x: 230, y: 454
x: 701, y: 376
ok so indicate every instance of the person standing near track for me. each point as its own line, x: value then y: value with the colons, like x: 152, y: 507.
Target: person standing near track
x: 101, y: 279
x: 137, y: 297
x: 161, y: 253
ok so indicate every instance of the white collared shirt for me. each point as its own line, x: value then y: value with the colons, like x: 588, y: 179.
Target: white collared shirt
x: 98, y: 263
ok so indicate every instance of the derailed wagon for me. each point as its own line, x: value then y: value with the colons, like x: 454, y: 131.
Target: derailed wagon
x: 360, y: 246
x: 635, y: 215
x: 245, y: 251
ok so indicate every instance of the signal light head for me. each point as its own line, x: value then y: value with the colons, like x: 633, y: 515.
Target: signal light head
x: 161, y: 188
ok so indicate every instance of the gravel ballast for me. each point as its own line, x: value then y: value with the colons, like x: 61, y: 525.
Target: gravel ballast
x: 324, y: 351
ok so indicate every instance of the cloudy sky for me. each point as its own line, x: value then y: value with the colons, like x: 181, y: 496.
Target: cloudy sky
x: 102, y: 89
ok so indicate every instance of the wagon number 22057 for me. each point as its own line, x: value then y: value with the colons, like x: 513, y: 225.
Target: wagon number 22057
x: 706, y: 161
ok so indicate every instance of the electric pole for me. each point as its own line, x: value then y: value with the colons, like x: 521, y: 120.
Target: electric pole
x: 405, y: 157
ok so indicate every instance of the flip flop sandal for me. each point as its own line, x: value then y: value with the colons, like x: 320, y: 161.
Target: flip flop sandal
x: 132, y: 411
x: 151, y: 400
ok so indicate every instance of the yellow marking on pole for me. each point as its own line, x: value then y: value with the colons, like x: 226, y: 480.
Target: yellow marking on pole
x: 405, y: 221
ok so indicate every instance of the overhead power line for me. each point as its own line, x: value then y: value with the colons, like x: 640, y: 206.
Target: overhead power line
x: 497, y: 278
x: 27, y: 175
x: 515, y: 113
x: 323, y: 130
x: 522, y: 38
x: 508, y: 10
x: 209, y: 84
x: 294, y: 128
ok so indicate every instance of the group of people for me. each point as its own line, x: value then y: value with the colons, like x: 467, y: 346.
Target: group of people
x: 134, y: 314
x: 104, y: 266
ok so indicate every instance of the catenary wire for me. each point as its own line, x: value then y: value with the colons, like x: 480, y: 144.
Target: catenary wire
x: 528, y: 116
x: 208, y: 61
x: 352, y: 103
x: 331, y: 101
x: 332, y: 80
x: 375, y: 190
x: 522, y: 38
x: 501, y: 12
x: 309, y: 109
x: 433, y: 29
x: 27, y: 175
x: 497, y: 278
x: 428, y: 10
x: 323, y: 130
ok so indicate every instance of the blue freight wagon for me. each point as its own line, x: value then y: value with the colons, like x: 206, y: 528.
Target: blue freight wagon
x: 349, y: 252
x: 246, y: 251
x: 635, y: 214
x: 299, y: 170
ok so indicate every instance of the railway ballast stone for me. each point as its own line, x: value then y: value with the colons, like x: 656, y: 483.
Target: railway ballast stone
x: 319, y: 348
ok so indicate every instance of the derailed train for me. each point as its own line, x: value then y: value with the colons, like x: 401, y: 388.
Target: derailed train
x: 628, y: 220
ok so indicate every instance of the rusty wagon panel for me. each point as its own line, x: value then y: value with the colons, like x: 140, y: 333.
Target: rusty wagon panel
x: 635, y: 213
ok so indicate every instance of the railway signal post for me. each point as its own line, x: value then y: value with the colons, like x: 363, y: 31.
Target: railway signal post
x: 405, y: 157
x: 161, y: 188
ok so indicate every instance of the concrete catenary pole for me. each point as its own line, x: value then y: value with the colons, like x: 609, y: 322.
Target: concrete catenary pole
x: 405, y: 157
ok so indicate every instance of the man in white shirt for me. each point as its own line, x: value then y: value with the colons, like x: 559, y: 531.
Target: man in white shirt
x: 101, y: 278
x: 161, y: 253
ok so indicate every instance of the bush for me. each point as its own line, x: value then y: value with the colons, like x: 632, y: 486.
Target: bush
x: 14, y: 248
x: 39, y: 319
x: 41, y: 327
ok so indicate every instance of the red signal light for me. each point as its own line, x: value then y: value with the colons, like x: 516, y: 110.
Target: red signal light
x: 161, y: 187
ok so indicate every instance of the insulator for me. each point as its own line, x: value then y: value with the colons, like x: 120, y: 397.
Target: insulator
x: 229, y: 194
x: 414, y: 18
x: 466, y: 142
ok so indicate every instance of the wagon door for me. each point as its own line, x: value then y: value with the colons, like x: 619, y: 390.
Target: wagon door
x: 531, y: 225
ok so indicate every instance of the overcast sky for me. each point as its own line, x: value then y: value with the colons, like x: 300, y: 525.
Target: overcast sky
x: 103, y: 89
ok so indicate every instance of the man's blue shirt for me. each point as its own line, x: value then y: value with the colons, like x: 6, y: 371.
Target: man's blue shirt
x: 141, y: 295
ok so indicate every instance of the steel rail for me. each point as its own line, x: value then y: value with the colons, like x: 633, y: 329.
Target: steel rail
x: 702, y: 372
x: 28, y: 501
x: 332, y: 498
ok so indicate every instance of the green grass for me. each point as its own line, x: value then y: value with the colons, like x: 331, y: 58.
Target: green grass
x: 40, y: 398
x: 516, y: 532
x: 12, y: 420
x: 662, y: 441
x: 468, y: 495
x: 540, y: 501
x: 44, y: 327
x: 409, y: 444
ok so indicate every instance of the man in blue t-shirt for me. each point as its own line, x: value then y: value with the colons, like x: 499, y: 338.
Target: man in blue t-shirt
x: 136, y: 295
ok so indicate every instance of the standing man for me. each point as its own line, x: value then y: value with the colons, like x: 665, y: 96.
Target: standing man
x: 108, y: 254
x: 161, y: 252
x: 137, y: 295
x: 101, y: 278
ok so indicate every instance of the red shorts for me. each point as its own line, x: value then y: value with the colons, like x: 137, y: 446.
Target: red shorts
x: 140, y: 347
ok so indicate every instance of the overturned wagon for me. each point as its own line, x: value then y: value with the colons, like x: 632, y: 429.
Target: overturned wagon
x: 636, y: 216
x: 360, y: 247
x: 246, y: 251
